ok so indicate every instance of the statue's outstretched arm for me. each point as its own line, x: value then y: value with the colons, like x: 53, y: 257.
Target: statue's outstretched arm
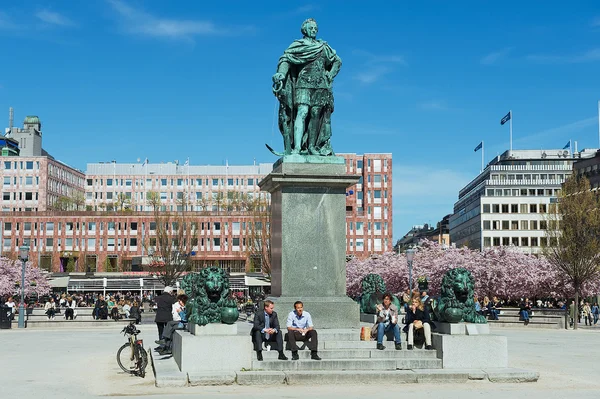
x: 335, y: 67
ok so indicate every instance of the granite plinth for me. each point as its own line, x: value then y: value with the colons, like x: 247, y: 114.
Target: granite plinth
x: 213, y: 329
x: 207, y: 353
x: 471, y: 351
x: 326, y: 312
x: 462, y: 328
x: 308, y: 240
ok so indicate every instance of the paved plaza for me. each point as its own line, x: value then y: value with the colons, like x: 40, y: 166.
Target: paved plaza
x: 81, y: 364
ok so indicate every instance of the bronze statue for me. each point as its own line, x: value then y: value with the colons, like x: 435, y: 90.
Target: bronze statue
x: 303, y: 83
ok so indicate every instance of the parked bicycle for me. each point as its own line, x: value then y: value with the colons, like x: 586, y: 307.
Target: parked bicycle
x: 132, y: 357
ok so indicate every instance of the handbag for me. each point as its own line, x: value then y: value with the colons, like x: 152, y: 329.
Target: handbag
x: 417, y: 324
x: 365, y: 334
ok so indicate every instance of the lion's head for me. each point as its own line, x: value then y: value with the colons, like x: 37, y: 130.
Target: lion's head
x: 371, y: 284
x: 458, y: 284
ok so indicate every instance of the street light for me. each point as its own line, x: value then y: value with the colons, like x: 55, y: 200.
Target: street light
x: 24, y: 256
x: 410, y: 254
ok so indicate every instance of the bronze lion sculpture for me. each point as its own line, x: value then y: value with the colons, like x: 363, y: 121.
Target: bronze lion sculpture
x: 373, y: 288
x: 208, y: 293
x: 456, y: 301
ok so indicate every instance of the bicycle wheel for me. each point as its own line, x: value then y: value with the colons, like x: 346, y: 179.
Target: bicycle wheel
x: 142, y: 355
x: 126, y: 359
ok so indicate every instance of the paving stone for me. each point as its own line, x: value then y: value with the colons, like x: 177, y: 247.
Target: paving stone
x: 260, y: 377
x: 332, y: 377
x: 511, y: 375
x: 211, y: 378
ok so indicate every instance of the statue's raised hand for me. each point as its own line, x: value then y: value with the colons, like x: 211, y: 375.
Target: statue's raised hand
x: 278, y: 77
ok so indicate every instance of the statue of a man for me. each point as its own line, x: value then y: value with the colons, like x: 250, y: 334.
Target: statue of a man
x: 303, y: 84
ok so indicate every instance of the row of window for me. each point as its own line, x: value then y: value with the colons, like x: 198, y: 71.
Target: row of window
x: 179, y: 195
x: 515, y: 208
x: 21, y: 180
x: 522, y: 192
x: 375, y: 244
x: 23, y: 165
x: 61, y: 173
x: 133, y: 226
x: 360, y: 225
x: 376, y: 163
x: 517, y: 241
x: 164, y: 182
x: 529, y: 176
x: 515, y: 225
x: 28, y: 196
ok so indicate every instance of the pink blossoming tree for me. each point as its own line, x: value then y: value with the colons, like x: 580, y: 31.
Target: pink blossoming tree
x: 36, y: 280
x: 502, y: 271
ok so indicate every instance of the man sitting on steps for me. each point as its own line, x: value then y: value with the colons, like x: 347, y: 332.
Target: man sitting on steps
x: 300, y: 328
x: 266, y: 329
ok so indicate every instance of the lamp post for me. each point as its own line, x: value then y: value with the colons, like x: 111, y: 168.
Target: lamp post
x: 24, y: 256
x: 410, y: 254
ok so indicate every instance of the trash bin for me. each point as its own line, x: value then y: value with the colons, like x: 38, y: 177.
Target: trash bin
x: 5, y: 317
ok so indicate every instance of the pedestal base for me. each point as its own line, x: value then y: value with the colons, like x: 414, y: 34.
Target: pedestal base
x: 471, y: 351
x: 326, y: 312
x: 211, y: 352
x: 462, y: 328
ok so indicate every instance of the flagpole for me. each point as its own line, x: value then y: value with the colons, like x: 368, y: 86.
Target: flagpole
x: 482, y: 152
x: 511, y: 118
x: 598, y: 124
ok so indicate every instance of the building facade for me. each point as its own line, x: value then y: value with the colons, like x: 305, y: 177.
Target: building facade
x: 506, y: 204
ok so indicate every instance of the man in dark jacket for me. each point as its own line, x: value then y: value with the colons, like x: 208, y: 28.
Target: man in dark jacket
x: 266, y: 329
x: 164, y: 308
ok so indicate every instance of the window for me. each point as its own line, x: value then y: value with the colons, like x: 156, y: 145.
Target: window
x: 524, y: 225
x: 486, y: 208
x: 359, y: 226
x: 180, y: 182
x: 27, y: 226
x: 230, y: 182
x: 163, y: 182
x: 215, y: 182
x: 7, y: 165
x: 134, y: 226
x: 496, y: 241
x: 92, y: 226
x: 29, y: 165
x: 7, y: 226
x: 534, y: 241
x: 216, y: 242
x: 152, y: 226
x: 28, y: 196
x: 532, y: 208
x: 133, y: 242
x: 486, y: 225
x: 515, y: 241
x: 534, y: 225
x: 523, y: 208
x: 251, y: 182
x: 505, y: 241
x: 7, y: 181
x: 504, y: 208
x: 514, y: 208
x: 28, y: 180
x: 111, y: 226
x: 91, y: 243
x: 496, y: 208
x: 218, y: 225
x: 487, y: 241
x: 68, y: 242
x: 235, y: 241
x: 49, y: 242
x: 111, y: 243
x: 543, y: 225
x: 524, y: 241
x: 542, y: 208
x: 505, y: 225
x: 514, y: 225
x: 6, y: 196
x: 377, y: 194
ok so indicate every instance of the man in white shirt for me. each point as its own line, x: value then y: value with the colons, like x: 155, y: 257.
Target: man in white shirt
x: 10, y: 302
x: 300, y: 328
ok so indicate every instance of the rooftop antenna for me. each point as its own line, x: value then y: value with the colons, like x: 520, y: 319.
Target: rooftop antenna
x: 10, y: 121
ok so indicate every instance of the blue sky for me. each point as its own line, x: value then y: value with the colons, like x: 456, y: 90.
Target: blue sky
x: 128, y: 79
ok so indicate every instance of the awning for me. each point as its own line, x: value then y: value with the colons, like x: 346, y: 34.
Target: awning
x: 60, y: 282
x: 250, y: 281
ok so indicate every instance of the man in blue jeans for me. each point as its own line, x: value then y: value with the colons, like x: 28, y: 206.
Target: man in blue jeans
x: 387, y: 320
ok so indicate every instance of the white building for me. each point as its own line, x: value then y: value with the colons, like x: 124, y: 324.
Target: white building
x: 506, y: 203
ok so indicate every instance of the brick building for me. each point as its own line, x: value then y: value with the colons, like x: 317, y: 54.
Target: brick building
x: 114, y: 222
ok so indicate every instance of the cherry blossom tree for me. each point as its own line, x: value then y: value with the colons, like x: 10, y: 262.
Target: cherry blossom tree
x: 36, y: 280
x: 502, y: 271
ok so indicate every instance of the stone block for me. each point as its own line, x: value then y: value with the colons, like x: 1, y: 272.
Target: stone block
x: 353, y: 377
x: 441, y: 376
x: 511, y: 375
x: 462, y: 328
x: 368, y: 318
x: 260, y: 377
x: 211, y: 378
x: 345, y: 316
x: 471, y: 351
x: 171, y: 380
x: 213, y: 329
x: 199, y: 353
x: 414, y: 364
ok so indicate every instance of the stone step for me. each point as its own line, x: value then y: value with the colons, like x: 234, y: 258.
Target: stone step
x: 531, y: 324
x: 62, y: 323
x: 347, y: 364
x: 358, y: 344
x: 359, y: 354
x: 545, y: 319
x: 60, y: 316
x: 332, y: 334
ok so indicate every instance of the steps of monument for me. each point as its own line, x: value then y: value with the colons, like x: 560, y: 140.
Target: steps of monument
x: 388, y: 353
x: 348, y: 364
x: 358, y: 344
x: 531, y: 324
x: 331, y: 334
x: 58, y: 317
x: 59, y: 322
x: 545, y: 319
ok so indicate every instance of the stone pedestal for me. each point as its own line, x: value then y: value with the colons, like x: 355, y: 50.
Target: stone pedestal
x: 308, y: 239
x: 469, y: 346
x: 214, y: 347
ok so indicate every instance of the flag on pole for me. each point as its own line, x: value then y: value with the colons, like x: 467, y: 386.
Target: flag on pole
x: 506, y: 118
x: 145, y: 162
x: 568, y: 145
x: 479, y: 147
x: 187, y: 162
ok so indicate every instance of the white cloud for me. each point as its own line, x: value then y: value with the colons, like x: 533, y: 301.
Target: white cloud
x: 376, y: 66
x: 424, y: 194
x: 140, y: 22
x: 588, y: 56
x: 495, y: 56
x: 54, y: 18
x: 560, y: 131
x: 435, y: 105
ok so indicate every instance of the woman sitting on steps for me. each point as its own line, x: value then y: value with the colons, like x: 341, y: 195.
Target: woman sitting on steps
x: 417, y: 318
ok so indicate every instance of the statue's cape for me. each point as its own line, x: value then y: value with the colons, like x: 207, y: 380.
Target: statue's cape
x: 304, y: 51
